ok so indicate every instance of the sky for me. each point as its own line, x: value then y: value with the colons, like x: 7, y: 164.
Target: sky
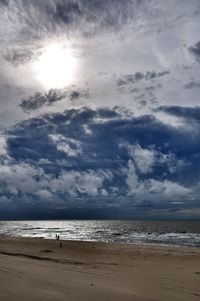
x: 99, y: 109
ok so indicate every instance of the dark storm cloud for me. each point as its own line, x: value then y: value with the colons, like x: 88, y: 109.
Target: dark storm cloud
x: 102, y: 138
x: 138, y: 76
x: 97, y: 141
x: 189, y: 113
x: 39, y: 100
x: 100, y: 158
x: 195, y: 50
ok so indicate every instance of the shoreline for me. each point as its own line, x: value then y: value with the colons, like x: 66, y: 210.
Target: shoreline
x: 90, y: 271
x: 104, y: 242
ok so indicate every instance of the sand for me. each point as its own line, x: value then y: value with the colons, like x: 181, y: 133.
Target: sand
x: 38, y: 269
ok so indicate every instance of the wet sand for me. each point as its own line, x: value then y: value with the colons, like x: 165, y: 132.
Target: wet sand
x: 38, y: 269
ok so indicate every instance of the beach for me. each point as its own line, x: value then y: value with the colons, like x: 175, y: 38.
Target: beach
x: 39, y: 269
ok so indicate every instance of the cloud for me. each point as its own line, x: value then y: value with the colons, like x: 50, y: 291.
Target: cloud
x: 60, y: 17
x: 106, y: 130
x: 44, y: 194
x: 120, y: 161
x: 138, y: 76
x: 77, y: 183
x: 27, y: 181
x: 19, y: 178
x: 111, y: 139
x: 132, y: 181
x: 96, y: 15
x: 144, y: 158
x: 168, y: 190
x: 153, y: 190
x: 19, y: 57
x: 189, y: 113
x: 195, y: 50
x: 69, y: 146
x: 147, y: 160
x: 39, y: 100
x: 4, y: 2
x: 192, y: 85
x: 130, y: 54
x: 67, y: 11
x: 120, y: 32
x: 3, y: 146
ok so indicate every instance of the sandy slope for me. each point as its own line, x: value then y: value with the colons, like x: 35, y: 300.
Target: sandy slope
x: 36, y: 269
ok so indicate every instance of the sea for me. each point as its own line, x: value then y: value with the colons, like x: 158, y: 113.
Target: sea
x: 179, y: 233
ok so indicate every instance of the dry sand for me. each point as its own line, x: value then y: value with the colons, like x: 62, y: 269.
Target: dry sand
x: 37, y: 269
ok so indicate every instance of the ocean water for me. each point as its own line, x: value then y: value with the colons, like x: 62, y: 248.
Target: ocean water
x: 146, y: 232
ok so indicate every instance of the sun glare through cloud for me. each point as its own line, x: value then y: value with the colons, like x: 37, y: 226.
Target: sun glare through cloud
x: 56, y: 66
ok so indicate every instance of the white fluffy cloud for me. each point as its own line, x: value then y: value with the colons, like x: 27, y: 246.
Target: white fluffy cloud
x: 44, y: 194
x: 3, y: 146
x: 151, y: 189
x: 74, y: 182
x: 143, y: 158
x: 25, y: 179
x: 69, y: 146
x: 146, y: 159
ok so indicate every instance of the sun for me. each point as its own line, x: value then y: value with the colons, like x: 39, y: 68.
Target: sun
x: 55, y: 68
